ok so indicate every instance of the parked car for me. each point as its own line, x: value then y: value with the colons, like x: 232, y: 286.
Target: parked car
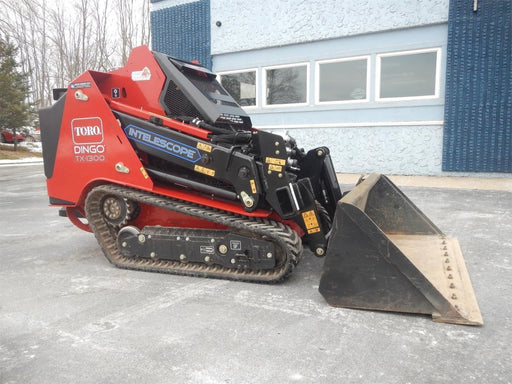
x: 6, y: 136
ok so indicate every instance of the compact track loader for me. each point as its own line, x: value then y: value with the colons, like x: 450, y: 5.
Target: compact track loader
x: 165, y: 168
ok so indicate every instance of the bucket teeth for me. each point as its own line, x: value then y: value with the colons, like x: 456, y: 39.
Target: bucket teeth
x: 385, y: 254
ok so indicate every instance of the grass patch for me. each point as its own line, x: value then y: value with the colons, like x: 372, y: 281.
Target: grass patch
x: 7, y: 152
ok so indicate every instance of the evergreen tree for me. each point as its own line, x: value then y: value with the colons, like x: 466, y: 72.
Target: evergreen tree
x: 15, y: 111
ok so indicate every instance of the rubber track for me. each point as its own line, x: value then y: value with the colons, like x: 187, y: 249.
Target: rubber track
x: 286, y: 240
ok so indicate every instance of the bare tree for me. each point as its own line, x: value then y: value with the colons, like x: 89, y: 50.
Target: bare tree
x: 133, y: 22
x: 58, y: 42
x: 25, y: 24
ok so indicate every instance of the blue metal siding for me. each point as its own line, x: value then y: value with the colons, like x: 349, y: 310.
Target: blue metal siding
x: 478, y: 106
x: 183, y: 31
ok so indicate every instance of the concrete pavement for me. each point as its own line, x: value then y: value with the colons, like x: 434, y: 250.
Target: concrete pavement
x: 67, y: 315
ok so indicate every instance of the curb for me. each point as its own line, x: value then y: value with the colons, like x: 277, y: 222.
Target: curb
x: 28, y: 161
x: 449, y: 182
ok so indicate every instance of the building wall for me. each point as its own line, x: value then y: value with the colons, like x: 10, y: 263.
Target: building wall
x: 374, y: 136
x: 393, y: 136
x: 181, y: 28
x: 478, y: 113
x: 259, y: 23
x: 390, y: 136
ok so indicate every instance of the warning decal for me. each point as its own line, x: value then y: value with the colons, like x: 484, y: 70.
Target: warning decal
x: 273, y: 160
x: 275, y: 168
x: 204, y: 170
x: 311, y: 222
x: 253, y: 186
x: 204, y: 147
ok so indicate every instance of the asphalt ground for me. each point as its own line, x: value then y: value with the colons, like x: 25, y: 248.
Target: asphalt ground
x: 68, y: 316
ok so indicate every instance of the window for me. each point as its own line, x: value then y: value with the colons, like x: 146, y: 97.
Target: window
x: 241, y: 86
x: 398, y: 76
x: 344, y: 80
x: 286, y: 85
x: 408, y: 75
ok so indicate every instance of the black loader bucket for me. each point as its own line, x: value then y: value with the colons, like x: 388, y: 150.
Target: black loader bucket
x: 385, y: 254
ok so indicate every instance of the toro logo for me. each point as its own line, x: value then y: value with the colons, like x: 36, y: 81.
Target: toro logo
x: 87, y: 130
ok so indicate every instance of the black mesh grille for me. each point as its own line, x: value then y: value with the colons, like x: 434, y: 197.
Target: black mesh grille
x: 177, y: 103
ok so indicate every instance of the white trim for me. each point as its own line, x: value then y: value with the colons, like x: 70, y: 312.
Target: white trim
x: 237, y: 71
x: 337, y: 102
x: 264, y: 85
x: 256, y: 84
x: 355, y: 125
x: 404, y: 53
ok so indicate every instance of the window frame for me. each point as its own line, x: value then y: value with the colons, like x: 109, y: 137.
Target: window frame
x: 437, y: 80
x: 337, y: 60
x: 286, y: 105
x: 256, y: 84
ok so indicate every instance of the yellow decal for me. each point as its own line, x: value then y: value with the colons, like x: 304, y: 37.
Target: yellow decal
x: 273, y: 160
x: 206, y: 171
x: 144, y: 173
x: 253, y: 186
x: 275, y: 168
x: 204, y: 147
x: 311, y: 222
